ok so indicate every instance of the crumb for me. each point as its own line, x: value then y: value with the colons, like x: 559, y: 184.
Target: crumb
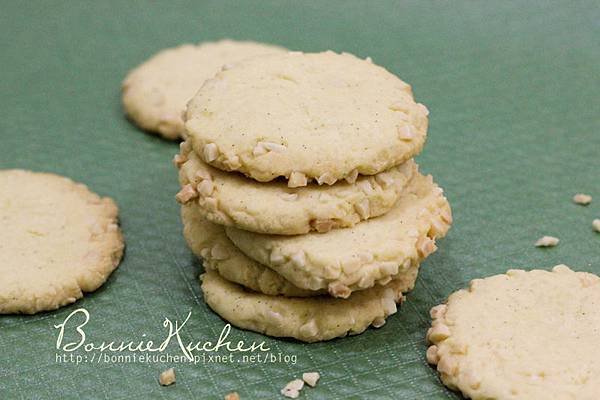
x: 232, y: 396
x: 311, y: 378
x: 293, y: 388
x: 547, y: 241
x: 167, y: 377
x: 596, y: 224
x: 582, y: 199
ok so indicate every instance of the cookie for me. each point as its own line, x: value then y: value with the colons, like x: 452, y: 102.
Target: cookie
x: 234, y: 200
x: 520, y: 335
x: 155, y: 93
x: 372, y: 252
x: 310, y: 319
x: 302, y: 116
x: 57, y: 240
x: 208, y: 240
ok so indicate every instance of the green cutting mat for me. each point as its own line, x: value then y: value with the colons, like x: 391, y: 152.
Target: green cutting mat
x: 513, y: 93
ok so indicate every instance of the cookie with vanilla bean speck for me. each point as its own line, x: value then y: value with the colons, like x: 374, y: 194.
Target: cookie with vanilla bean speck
x: 155, y: 93
x: 309, y: 319
x: 209, y: 241
x: 370, y: 253
x: 521, y: 335
x: 304, y: 117
x: 233, y: 200
x: 57, y: 240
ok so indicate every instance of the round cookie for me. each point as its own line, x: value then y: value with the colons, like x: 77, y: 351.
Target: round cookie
x: 302, y: 116
x: 370, y: 253
x: 209, y: 241
x: 520, y: 335
x: 155, y: 93
x: 57, y: 240
x: 310, y: 319
x: 233, y: 200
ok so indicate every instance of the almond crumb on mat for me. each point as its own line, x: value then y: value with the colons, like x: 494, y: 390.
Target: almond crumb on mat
x: 293, y: 388
x: 311, y: 378
x: 547, y: 241
x: 582, y: 199
x: 596, y: 224
x: 232, y: 396
x: 167, y: 377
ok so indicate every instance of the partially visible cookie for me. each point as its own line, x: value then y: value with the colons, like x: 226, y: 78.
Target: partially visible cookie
x: 208, y: 240
x: 234, y: 200
x: 520, y: 335
x: 306, y: 116
x: 371, y: 253
x: 310, y: 319
x: 57, y: 240
x: 155, y: 93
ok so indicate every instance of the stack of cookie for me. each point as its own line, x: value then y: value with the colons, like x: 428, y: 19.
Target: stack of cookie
x: 299, y: 192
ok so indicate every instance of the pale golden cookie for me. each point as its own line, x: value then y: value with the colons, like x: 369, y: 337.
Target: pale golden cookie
x: 57, y: 240
x: 271, y: 207
x: 209, y: 241
x: 310, y: 319
x: 521, y: 335
x: 155, y: 93
x: 302, y: 116
x: 370, y: 253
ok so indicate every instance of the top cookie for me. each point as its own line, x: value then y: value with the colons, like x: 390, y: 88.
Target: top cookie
x: 520, y: 335
x: 322, y: 116
x: 155, y: 93
x: 57, y: 240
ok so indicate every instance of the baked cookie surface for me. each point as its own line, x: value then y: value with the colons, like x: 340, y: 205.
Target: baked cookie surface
x: 155, y: 93
x: 321, y: 116
x: 57, y: 240
x: 233, y: 200
x: 370, y: 253
x: 309, y: 319
x: 209, y: 241
x: 520, y: 335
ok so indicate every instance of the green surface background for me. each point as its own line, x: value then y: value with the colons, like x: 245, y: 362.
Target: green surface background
x: 514, y: 133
